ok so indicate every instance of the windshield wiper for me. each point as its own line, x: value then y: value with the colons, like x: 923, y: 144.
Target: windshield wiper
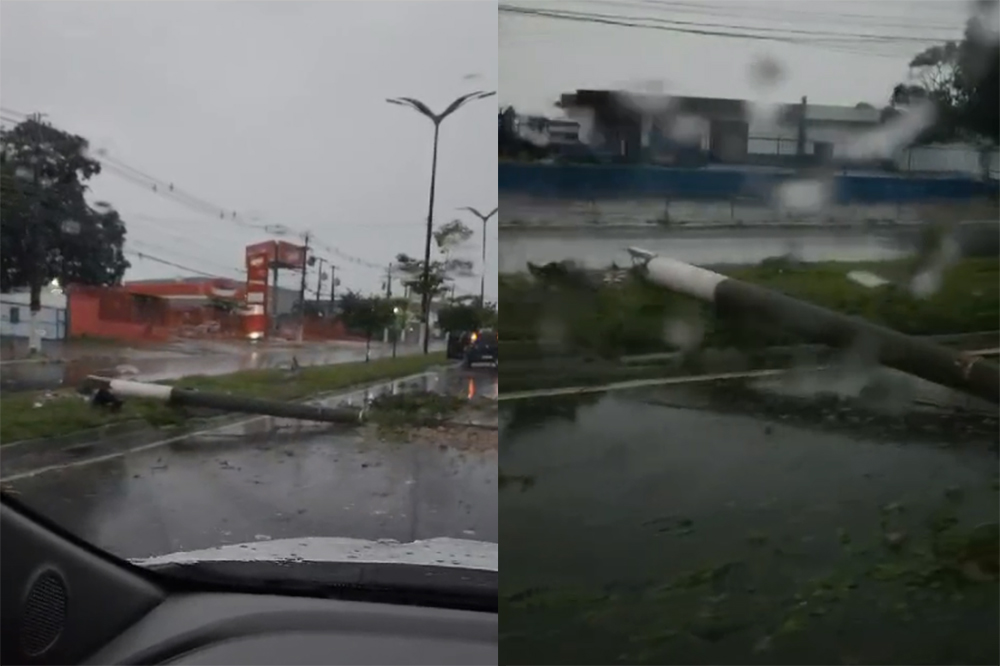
x: 404, y: 584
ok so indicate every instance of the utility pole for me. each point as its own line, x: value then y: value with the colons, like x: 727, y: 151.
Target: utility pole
x: 319, y: 278
x: 743, y: 301
x: 333, y: 287
x: 36, y: 240
x: 388, y: 295
x: 272, y: 297
x: 302, y: 286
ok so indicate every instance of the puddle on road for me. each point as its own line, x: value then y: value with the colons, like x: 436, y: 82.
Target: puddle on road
x: 473, y: 428
x: 470, y: 384
x: 695, y: 534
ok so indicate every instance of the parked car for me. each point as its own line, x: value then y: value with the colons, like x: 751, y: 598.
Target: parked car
x: 482, y: 349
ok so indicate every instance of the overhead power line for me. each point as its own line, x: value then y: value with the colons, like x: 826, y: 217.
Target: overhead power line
x: 787, y: 14
x: 198, y: 204
x: 186, y: 255
x: 855, y: 43
x: 168, y: 190
x: 166, y: 262
x: 703, y: 27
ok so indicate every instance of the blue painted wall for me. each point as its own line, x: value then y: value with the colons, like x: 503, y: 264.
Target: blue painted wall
x: 613, y: 181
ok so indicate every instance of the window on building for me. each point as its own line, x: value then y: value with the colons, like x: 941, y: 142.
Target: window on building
x: 15, y: 315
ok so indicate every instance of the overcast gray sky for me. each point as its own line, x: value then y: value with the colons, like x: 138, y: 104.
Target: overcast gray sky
x: 540, y: 58
x: 275, y: 110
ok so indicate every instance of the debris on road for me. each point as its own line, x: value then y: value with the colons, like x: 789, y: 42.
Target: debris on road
x: 413, y: 408
x: 431, y: 418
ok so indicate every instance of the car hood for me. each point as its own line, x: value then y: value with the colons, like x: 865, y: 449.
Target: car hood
x: 440, y: 552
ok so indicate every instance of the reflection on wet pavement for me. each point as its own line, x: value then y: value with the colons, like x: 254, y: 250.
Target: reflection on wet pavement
x: 45, y: 375
x: 682, y: 533
x: 236, y: 487
x: 265, y: 478
x: 457, y: 381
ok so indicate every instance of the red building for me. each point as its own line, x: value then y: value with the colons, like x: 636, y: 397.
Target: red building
x: 157, y: 310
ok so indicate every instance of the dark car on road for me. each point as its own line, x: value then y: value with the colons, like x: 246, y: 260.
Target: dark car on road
x: 482, y: 349
x: 458, y: 341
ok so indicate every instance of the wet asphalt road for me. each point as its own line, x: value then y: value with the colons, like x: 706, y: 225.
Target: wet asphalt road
x: 22, y: 376
x: 267, y: 479
x: 695, y: 525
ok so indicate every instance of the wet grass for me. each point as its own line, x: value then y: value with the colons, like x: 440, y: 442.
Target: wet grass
x: 40, y: 415
x: 629, y: 318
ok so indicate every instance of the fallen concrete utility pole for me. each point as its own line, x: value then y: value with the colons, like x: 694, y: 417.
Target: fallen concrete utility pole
x: 735, y: 298
x: 122, y: 388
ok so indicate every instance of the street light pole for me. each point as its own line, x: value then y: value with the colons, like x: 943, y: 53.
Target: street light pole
x: 437, y: 119
x: 302, y: 287
x: 482, y: 277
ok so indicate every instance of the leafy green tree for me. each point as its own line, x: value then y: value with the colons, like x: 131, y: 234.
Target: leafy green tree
x: 48, y: 229
x: 367, y: 315
x: 961, y: 80
x: 490, y: 315
x: 467, y: 315
x: 448, y: 238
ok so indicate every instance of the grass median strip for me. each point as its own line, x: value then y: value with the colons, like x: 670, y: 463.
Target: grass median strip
x: 26, y: 416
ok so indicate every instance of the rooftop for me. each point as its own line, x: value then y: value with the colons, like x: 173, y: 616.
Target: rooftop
x: 709, y: 107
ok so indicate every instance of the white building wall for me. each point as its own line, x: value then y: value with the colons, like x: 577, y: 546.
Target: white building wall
x: 948, y: 158
x: 15, y: 315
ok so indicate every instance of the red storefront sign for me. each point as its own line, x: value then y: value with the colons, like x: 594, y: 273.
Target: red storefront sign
x: 290, y: 255
x: 258, y: 258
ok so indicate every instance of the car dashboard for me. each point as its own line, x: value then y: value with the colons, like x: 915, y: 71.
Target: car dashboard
x: 65, y: 601
x: 258, y: 629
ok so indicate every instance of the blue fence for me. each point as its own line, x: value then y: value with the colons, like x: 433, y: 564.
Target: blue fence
x: 608, y: 181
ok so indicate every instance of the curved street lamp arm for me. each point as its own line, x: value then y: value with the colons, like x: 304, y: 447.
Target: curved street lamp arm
x: 482, y: 217
x: 437, y: 118
x: 463, y: 100
x: 416, y: 105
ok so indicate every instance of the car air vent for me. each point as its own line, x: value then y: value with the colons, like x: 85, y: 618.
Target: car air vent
x: 44, y: 614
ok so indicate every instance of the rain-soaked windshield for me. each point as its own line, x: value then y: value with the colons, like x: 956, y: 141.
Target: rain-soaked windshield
x: 235, y: 238
x: 751, y: 250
